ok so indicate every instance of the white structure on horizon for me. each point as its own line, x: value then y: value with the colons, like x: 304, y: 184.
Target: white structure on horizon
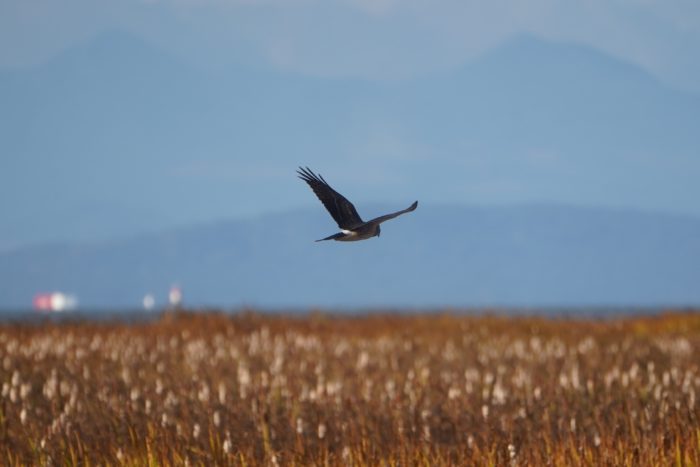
x: 175, y: 296
x: 149, y: 301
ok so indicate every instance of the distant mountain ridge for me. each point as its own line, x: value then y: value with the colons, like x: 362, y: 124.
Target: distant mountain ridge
x: 528, y: 255
x: 116, y: 137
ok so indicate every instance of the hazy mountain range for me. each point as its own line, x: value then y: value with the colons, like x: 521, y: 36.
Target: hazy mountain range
x: 116, y: 137
x: 437, y: 256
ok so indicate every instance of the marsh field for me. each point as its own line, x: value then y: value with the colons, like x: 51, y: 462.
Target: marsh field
x: 378, y: 389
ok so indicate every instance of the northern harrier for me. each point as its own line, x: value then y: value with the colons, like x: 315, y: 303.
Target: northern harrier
x: 352, y: 228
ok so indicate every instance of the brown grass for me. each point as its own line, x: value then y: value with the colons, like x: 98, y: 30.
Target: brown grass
x: 250, y: 389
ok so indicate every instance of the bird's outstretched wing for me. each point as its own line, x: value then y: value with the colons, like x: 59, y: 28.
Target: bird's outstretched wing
x: 386, y: 217
x: 337, y: 205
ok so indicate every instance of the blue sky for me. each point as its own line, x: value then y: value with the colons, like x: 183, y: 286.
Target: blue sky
x: 375, y: 39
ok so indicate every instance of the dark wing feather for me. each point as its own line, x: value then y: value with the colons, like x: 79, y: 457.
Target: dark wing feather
x: 337, y: 205
x: 386, y: 217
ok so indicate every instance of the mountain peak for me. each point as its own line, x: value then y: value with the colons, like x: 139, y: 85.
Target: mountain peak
x: 534, y: 53
x: 114, y: 49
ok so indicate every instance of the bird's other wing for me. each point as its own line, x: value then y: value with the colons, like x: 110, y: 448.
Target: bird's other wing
x: 386, y: 217
x: 337, y: 205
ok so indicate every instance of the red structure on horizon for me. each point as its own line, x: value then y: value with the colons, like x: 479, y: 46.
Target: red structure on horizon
x: 54, y: 302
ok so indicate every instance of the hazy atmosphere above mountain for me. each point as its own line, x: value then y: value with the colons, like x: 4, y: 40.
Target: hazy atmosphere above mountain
x: 374, y: 39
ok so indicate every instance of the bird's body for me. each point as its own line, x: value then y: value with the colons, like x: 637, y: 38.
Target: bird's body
x: 352, y: 227
x: 363, y: 232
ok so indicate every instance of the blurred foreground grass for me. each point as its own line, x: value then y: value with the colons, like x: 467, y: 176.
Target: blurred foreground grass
x: 430, y: 389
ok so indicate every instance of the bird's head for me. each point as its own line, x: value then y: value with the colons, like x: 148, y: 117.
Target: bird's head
x: 379, y: 231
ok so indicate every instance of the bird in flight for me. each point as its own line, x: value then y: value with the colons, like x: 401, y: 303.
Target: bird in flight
x: 352, y: 227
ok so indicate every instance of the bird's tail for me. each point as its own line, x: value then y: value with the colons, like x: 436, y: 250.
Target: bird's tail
x: 332, y: 237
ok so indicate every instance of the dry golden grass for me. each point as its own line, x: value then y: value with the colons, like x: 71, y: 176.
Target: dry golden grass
x: 205, y: 388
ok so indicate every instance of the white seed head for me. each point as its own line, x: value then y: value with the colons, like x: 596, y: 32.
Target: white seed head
x: 485, y: 411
